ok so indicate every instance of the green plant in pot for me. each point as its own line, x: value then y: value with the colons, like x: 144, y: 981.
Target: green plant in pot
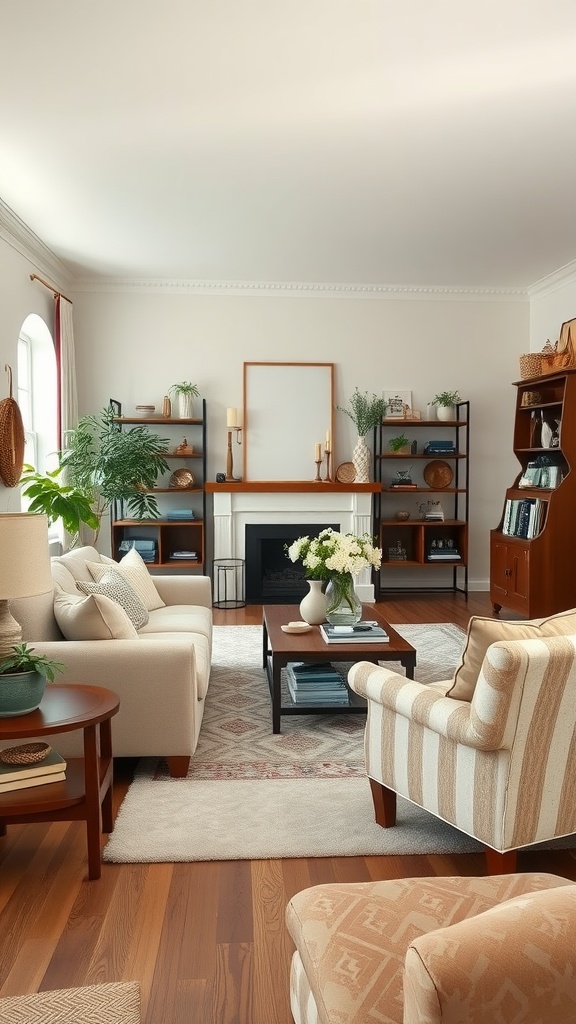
x: 23, y: 677
x: 49, y: 495
x: 445, y: 402
x: 399, y: 443
x: 114, y: 465
x: 186, y: 392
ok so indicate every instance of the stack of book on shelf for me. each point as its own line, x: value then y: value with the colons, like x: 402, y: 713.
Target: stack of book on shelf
x: 314, y: 684
x: 443, y: 554
x: 145, y: 548
x: 363, y: 632
x: 180, y: 513
x: 184, y: 556
x: 536, y: 475
x: 23, y: 776
x: 524, y: 517
x: 440, y: 448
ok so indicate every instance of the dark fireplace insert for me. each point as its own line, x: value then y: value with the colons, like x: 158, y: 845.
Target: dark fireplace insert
x: 271, y: 578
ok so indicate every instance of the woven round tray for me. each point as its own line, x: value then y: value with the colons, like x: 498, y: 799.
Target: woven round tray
x: 25, y: 753
x: 438, y: 474
x: 346, y: 473
x: 11, y: 439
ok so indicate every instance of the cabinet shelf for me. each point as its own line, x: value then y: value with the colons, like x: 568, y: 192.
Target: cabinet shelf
x: 414, y: 538
x: 536, y: 576
x: 170, y: 535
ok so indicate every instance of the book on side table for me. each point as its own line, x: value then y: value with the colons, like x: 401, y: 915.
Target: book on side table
x: 24, y: 776
x: 363, y: 632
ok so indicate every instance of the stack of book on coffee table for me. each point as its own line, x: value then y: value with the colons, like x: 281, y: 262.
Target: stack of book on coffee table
x: 320, y: 683
x: 23, y: 776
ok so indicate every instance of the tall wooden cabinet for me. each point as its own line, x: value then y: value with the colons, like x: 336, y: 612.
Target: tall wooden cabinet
x: 533, y: 550
x: 423, y: 552
x: 176, y: 542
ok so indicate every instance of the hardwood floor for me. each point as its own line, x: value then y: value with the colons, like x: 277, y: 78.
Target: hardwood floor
x: 206, y: 941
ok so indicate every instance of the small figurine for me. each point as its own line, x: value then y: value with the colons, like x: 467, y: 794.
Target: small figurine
x: 184, y: 448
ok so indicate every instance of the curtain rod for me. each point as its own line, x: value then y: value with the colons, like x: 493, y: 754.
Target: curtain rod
x: 34, y: 277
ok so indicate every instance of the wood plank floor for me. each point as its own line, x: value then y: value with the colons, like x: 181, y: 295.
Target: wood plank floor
x: 206, y: 941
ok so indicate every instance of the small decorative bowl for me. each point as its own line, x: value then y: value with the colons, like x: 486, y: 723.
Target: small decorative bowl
x: 402, y: 516
x: 25, y: 753
x: 145, y: 410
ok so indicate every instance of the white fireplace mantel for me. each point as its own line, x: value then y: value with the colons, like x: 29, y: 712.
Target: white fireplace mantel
x: 237, y: 505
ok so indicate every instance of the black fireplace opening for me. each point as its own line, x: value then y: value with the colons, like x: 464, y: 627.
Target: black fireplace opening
x: 271, y: 578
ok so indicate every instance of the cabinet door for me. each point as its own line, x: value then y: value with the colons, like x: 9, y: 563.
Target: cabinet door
x: 519, y: 560
x: 499, y: 569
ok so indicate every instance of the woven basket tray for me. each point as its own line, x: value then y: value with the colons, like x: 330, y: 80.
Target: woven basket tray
x: 25, y: 753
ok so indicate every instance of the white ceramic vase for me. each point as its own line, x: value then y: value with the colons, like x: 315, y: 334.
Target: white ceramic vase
x: 446, y: 412
x: 313, y: 605
x: 185, y: 407
x: 361, y: 460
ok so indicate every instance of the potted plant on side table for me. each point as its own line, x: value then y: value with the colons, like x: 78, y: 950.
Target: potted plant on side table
x: 23, y: 677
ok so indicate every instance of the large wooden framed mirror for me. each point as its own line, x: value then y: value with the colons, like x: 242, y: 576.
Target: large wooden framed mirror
x: 288, y: 409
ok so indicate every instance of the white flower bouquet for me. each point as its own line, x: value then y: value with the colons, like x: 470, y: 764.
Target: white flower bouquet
x: 334, y: 554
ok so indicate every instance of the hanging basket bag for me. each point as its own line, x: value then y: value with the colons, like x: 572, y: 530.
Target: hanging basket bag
x: 11, y: 438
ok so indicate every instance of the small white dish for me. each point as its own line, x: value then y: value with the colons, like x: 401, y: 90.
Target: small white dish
x: 297, y: 627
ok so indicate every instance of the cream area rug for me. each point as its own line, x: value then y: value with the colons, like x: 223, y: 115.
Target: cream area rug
x: 253, y: 795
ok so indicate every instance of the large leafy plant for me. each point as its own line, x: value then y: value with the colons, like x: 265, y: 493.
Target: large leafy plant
x: 57, y: 500
x: 115, y: 465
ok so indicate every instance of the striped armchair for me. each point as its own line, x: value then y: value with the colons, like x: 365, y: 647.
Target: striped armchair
x: 501, y: 768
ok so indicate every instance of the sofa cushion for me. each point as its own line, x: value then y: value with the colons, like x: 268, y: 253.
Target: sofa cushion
x: 75, y: 561
x: 114, y: 585
x: 134, y: 569
x: 485, y: 631
x: 95, y: 617
x: 179, y: 618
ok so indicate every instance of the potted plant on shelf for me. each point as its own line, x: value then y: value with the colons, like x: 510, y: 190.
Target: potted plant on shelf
x: 23, y: 677
x: 186, y: 392
x: 399, y: 445
x: 366, y: 413
x: 445, y: 402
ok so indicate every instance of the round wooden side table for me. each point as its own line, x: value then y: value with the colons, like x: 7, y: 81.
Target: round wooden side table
x: 86, y: 792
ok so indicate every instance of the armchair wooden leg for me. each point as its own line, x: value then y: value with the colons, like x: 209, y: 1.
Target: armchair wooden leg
x: 384, y: 801
x: 500, y: 863
x: 178, y: 767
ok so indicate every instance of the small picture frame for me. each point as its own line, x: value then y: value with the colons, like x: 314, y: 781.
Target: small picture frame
x: 397, y: 403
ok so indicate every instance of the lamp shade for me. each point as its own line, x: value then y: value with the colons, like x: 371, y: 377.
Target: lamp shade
x: 24, y: 556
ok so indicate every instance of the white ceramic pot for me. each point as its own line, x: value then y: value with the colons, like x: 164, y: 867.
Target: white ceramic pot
x: 313, y: 605
x: 185, y: 407
x: 446, y: 412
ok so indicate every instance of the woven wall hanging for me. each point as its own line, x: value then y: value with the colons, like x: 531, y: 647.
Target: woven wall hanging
x: 11, y: 438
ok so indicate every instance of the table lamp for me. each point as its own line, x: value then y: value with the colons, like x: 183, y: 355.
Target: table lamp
x: 24, y: 568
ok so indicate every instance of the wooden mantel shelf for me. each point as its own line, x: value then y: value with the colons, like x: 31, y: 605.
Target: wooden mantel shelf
x: 290, y: 487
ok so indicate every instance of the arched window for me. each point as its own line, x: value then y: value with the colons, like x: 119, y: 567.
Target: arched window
x: 37, y: 393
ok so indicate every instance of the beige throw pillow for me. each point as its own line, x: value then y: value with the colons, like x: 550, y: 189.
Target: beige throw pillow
x: 134, y: 569
x: 91, y: 618
x: 485, y: 631
x: 113, y: 584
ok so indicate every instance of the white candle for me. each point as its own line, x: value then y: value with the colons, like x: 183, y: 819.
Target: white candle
x: 318, y: 455
x: 232, y: 417
x: 327, y: 440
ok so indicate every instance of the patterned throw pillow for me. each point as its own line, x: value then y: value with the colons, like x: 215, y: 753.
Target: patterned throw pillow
x: 113, y: 584
x: 135, y: 571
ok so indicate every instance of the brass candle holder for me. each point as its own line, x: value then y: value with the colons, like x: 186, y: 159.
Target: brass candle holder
x: 318, y: 478
x: 327, y: 478
x: 229, y: 458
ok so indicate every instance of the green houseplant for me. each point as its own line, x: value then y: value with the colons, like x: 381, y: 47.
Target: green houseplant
x: 185, y: 392
x: 114, y: 465
x: 445, y: 402
x: 59, y: 501
x: 23, y: 677
x: 397, y: 444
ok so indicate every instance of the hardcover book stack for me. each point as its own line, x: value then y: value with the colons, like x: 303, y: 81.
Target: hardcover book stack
x: 23, y: 776
x: 315, y: 684
x: 524, y: 517
x: 364, y: 632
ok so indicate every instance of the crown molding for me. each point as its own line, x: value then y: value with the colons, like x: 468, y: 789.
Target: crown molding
x: 299, y: 289
x: 19, y: 237
x: 561, y: 278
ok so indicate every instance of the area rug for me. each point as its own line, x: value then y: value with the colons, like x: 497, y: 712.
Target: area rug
x: 252, y: 795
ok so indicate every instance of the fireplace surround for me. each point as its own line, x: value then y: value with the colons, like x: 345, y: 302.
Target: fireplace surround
x: 271, y: 578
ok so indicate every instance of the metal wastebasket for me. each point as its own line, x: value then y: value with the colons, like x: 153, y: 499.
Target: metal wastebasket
x: 228, y: 583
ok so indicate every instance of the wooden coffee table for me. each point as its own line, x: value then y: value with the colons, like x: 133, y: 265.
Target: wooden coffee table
x: 279, y: 648
x: 86, y: 792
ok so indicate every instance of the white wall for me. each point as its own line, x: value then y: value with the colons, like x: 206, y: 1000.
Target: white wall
x: 552, y: 303
x: 133, y: 345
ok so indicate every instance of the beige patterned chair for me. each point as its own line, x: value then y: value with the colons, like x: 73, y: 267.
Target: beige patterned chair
x: 500, y: 766
x: 111, y: 1003
x: 431, y: 950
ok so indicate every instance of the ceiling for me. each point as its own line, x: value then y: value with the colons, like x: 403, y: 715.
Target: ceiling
x: 412, y: 142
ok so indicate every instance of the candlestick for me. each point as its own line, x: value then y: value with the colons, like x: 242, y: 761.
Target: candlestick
x: 318, y: 452
x: 327, y: 478
x: 229, y: 459
x: 318, y: 478
x: 232, y: 418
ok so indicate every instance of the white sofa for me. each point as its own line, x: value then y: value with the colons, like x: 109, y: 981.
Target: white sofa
x: 161, y: 674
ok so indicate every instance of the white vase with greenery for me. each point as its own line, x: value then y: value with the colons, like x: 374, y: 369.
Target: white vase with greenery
x: 446, y: 402
x: 366, y: 413
x: 186, y: 392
